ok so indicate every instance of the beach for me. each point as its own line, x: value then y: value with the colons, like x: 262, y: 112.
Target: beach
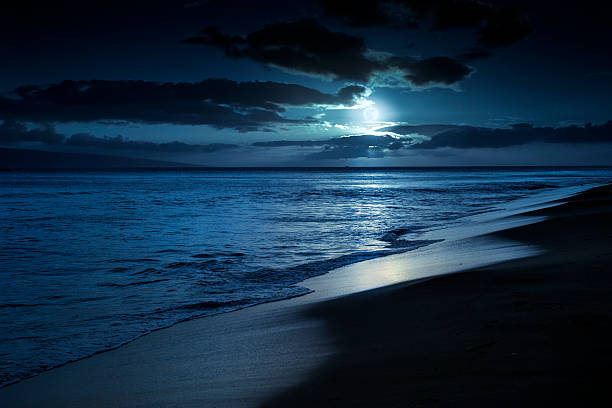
x: 534, y: 331
x: 531, y: 330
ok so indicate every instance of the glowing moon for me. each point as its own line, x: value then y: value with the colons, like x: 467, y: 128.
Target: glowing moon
x: 370, y: 114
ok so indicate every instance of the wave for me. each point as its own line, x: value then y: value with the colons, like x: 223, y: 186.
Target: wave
x: 169, y: 250
x: 16, y: 305
x: 305, y: 271
x: 138, y: 283
x: 394, y: 234
x: 211, y: 304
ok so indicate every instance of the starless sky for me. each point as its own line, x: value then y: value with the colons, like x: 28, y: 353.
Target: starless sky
x: 321, y: 82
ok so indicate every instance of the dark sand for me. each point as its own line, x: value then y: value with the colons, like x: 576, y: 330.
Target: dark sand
x: 529, y: 332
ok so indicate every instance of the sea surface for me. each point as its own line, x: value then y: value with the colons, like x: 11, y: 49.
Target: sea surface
x: 92, y: 260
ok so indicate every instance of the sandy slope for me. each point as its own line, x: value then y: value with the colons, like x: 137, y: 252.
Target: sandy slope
x: 529, y: 332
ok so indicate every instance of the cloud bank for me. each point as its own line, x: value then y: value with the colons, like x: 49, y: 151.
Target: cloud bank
x: 434, y: 137
x: 349, y: 146
x: 15, y: 133
x: 220, y: 103
x: 437, y: 142
x: 307, y: 47
x: 468, y: 137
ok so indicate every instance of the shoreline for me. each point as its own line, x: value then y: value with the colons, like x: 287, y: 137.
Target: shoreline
x: 418, y: 239
x: 318, y: 346
x: 530, y: 331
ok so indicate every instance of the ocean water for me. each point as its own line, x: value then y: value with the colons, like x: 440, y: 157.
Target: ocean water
x: 91, y: 260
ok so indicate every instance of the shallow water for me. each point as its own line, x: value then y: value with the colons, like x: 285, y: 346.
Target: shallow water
x: 91, y: 260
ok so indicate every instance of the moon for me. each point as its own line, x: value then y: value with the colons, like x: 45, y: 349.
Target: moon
x: 370, y: 114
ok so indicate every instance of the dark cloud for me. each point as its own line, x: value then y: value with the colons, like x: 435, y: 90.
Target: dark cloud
x: 347, y: 147
x: 494, y: 25
x: 520, y: 134
x: 14, y: 133
x: 432, y: 137
x: 425, y: 130
x: 436, y: 70
x: 461, y: 137
x: 117, y: 123
x: 348, y: 93
x: 220, y: 103
x: 307, y: 47
x: 121, y: 143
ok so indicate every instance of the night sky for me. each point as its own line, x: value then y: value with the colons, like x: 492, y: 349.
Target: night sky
x: 319, y: 83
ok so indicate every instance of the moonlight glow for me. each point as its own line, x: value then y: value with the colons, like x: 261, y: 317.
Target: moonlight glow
x: 370, y: 114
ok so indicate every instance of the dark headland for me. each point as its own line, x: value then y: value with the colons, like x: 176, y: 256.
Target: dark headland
x: 27, y: 159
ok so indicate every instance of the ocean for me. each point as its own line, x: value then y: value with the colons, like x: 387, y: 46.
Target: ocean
x: 90, y: 260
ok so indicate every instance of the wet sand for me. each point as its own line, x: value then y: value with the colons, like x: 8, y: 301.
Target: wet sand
x: 532, y: 330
